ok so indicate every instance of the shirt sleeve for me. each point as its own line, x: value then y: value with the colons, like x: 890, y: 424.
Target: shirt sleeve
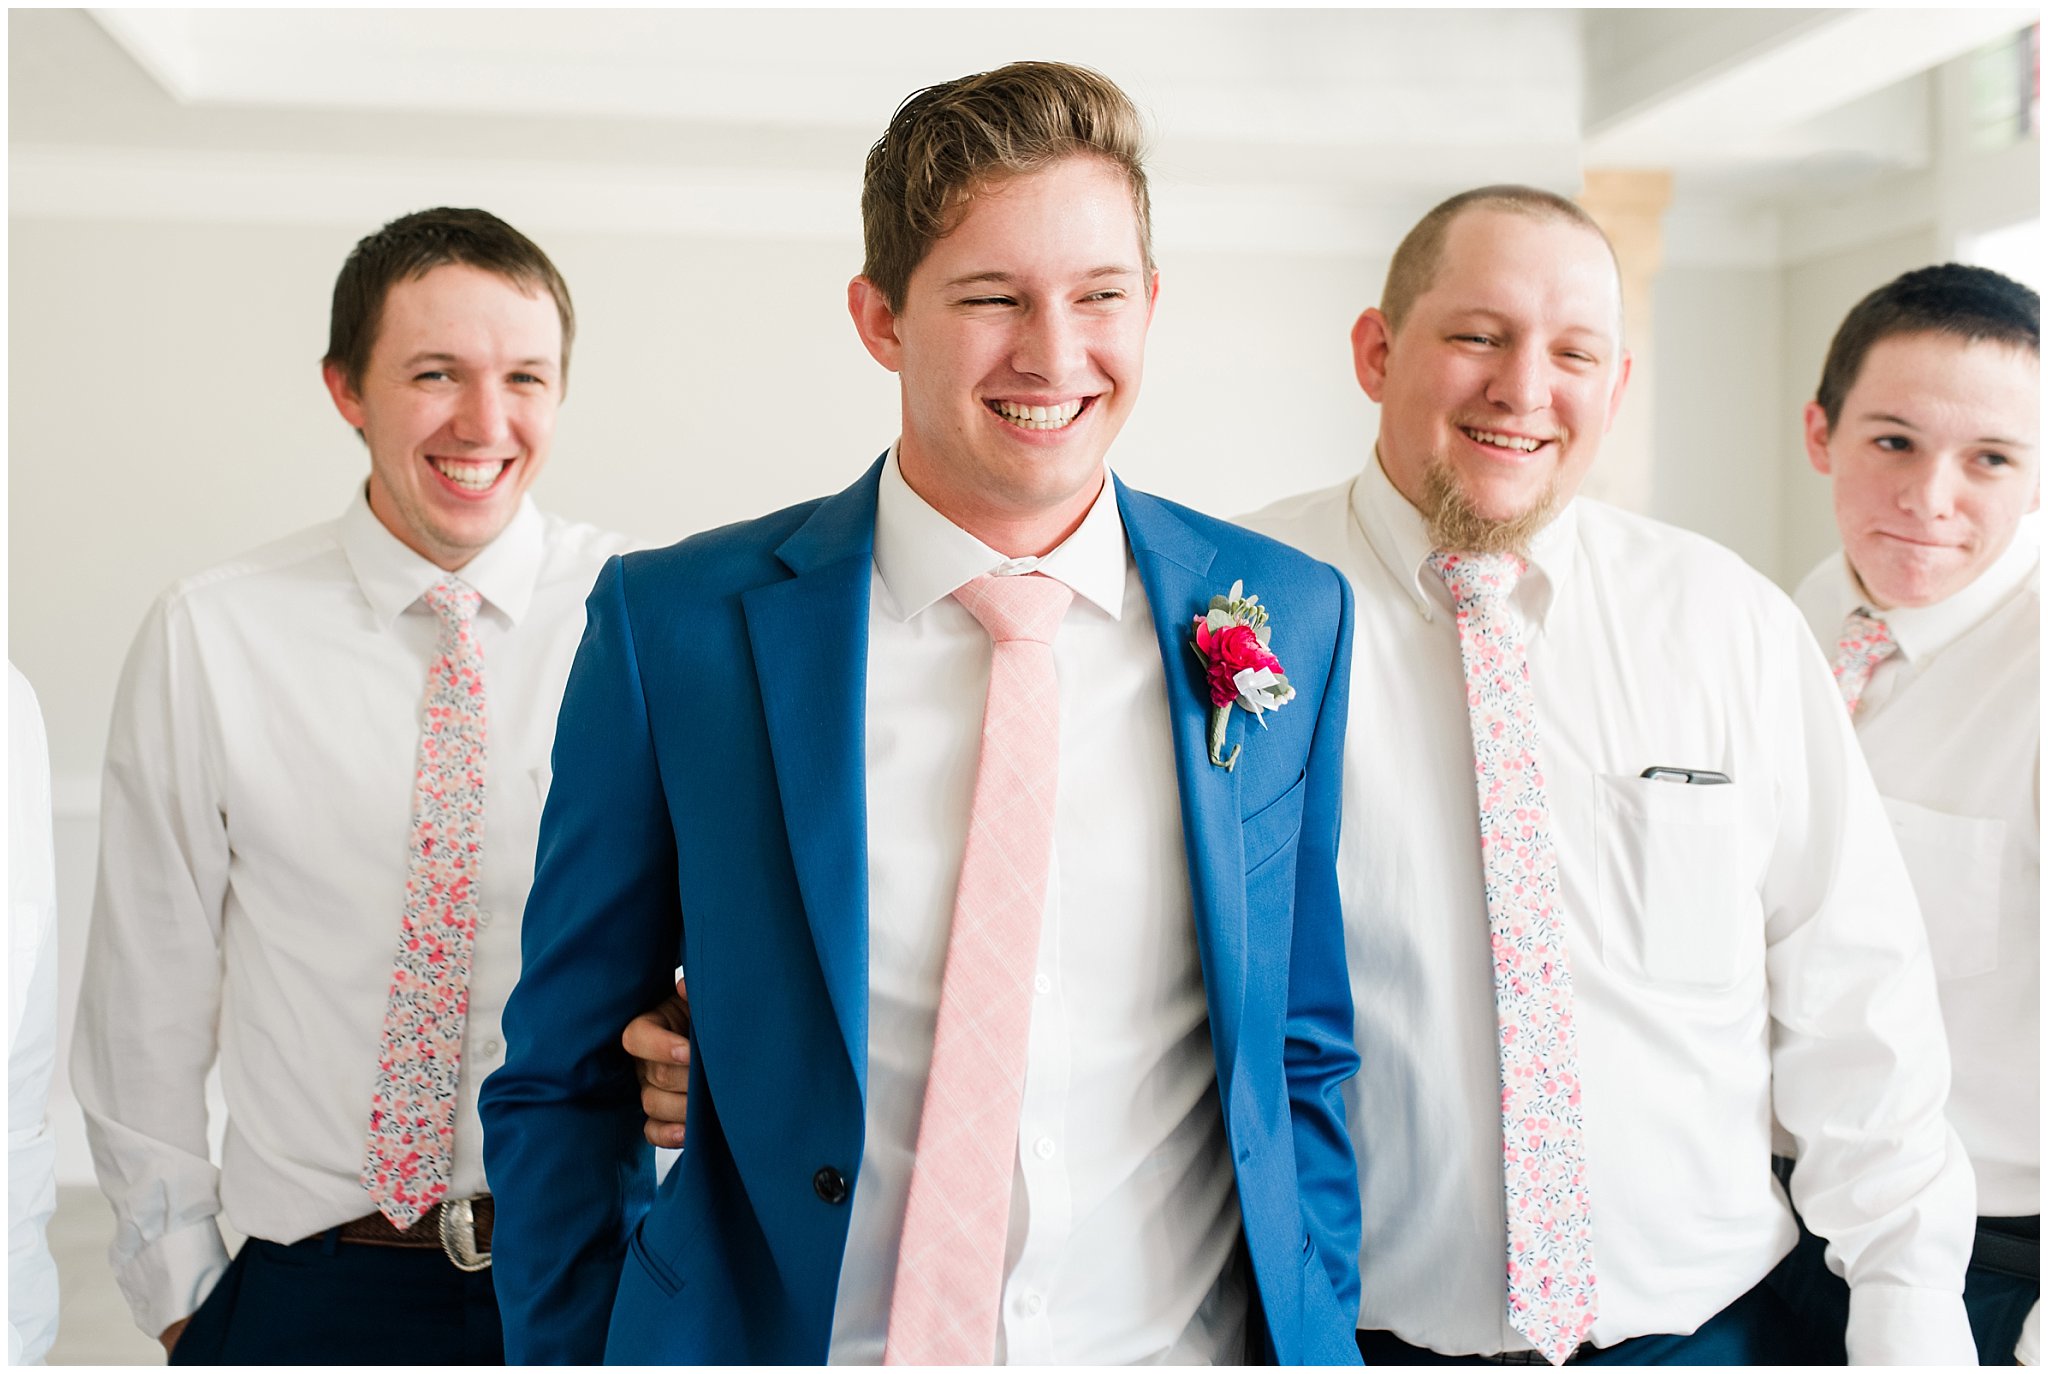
x: 1860, y: 1063
x: 151, y: 996
x: 32, y: 1034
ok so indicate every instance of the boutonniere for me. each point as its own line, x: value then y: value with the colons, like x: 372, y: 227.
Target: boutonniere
x: 1231, y: 640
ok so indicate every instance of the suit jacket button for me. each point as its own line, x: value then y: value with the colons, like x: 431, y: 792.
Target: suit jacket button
x: 830, y: 1185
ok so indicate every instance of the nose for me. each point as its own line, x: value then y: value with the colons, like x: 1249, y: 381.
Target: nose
x: 480, y: 417
x: 1521, y: 380
x: 1049, y: 345
x: 1929, y: 490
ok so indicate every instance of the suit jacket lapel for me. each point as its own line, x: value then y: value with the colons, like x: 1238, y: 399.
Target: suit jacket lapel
x: 810, y: 644
x: 1173, y: 563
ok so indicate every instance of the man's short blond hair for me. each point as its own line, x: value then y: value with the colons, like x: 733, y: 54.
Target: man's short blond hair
x: 947, y: 142
x: 1414, y: 268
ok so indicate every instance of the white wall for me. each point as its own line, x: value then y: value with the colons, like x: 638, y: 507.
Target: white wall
x: 1719, y: 446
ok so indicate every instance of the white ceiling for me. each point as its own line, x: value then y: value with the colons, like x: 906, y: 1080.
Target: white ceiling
x: 1310, y: 129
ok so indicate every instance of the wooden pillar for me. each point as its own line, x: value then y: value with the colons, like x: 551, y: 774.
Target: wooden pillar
x: 1629, y: 205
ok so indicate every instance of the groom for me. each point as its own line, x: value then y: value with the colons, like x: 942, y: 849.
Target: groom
x: 1019, y: 1002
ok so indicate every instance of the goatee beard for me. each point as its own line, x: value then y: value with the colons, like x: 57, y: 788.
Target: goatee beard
x: 1456, y: 525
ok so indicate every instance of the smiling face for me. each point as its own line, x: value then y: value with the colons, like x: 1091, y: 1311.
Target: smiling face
x: 457, y: 404
x: 1935, y: 457
x: 1503, y: 377
x: 1020, y: 345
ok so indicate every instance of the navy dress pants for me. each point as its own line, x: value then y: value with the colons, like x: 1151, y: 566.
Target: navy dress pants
x: 327, y: 1301
x: 1750, y: 1330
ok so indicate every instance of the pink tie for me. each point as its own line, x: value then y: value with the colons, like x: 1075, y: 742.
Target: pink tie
x: 949, y: 1271
x: 1865, y: 642
x: 1552, y: 1296
x: 412, y: 1113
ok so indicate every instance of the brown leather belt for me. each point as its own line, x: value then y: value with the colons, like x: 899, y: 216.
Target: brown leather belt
x: 460, y: 1228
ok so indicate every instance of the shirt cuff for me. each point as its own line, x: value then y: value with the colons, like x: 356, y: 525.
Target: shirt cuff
x: 170, y: 1277
x: 1891, y: 1324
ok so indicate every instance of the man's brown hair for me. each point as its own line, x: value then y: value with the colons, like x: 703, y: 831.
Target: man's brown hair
x: 948, y: 142
x: 1968, y: 303
x: 1414, y: 268
x: 413, y: 245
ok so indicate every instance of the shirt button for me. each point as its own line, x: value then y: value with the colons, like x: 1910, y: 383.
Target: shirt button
x: 1033, y: 1304
x: 490, y: 1049
x: 1044, y: 1148
x: 1042, y: 983
x: 483, y: 918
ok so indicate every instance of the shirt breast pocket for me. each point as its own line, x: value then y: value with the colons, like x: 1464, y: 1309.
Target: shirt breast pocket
x: 1957, y: 874
x: 1674, y: 909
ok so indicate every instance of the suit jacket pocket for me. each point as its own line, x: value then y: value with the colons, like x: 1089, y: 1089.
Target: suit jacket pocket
x: 661, y: 1239
x: 1272, y: 828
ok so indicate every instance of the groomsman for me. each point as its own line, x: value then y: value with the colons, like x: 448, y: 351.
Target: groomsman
x: 323, y: 785
x: 1926, y: 423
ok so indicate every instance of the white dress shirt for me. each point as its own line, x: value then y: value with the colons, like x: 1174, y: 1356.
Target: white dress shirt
x: 1733, y: 946
x: 255, y: 820
x: 1124, y: 1221
x: 1951, y: 725
x: 31, y: 1029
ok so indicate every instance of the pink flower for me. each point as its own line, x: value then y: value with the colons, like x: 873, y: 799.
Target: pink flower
x: 1228, y: 652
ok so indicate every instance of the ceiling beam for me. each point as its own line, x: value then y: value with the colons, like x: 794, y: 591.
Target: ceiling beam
x: 1669, y: 86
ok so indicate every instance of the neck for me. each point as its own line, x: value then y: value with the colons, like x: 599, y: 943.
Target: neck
x: 1014, y: 533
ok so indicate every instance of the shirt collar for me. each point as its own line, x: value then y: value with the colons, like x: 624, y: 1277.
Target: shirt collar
x: 1923, y: 631
x: 393, y: 577
x: 923, y: 557
x: 1399, y: 535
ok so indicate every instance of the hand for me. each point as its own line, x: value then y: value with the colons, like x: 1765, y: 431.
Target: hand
x: 170, y: 1334
x: 658, y: 1041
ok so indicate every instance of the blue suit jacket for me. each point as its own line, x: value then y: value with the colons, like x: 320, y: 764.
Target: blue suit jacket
x: 709, y: 809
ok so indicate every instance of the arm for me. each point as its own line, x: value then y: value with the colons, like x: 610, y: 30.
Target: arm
x: 150, y: 999
x: 1859, y: 1059
x: 562, y: 1143
x: 32, y: 1033
x: 1320, y: 1054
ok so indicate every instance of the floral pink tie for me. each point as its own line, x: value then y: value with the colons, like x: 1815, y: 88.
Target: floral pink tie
x: 412, y: 1112
x: 1552, y: 1296
x: 1865, y: 642
x: 949, y: 1270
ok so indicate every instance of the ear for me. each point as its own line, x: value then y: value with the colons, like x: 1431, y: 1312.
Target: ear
x: 1372, y: 339
x: 1627, y: 369
x: 1817, y: 440
x: 875, y: 322
x: 1152, y: 298
x: 346, y: 399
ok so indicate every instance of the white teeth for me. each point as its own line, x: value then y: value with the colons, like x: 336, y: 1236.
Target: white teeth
x: 1038, y: 417
x: 1512, y: 441
x: 469, y: 475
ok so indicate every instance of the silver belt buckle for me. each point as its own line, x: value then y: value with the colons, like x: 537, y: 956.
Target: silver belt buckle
x: 458, y: 1237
